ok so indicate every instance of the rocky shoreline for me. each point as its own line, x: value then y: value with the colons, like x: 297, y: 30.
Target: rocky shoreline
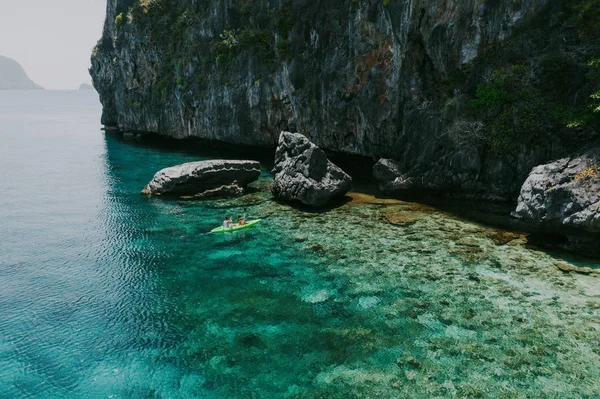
x: 461, y: 99
x: 491, y: 212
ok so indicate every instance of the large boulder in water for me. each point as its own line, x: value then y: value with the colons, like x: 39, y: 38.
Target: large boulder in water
x: 563, y: 196
x: 303, y: 172
x: 197, y: 178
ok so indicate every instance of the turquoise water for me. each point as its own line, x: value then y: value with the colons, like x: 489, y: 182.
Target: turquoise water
x: 105, y: 293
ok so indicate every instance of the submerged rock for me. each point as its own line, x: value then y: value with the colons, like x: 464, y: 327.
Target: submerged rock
x: 403, y: 217
x: 563, y: 195
x: 303, y: 172
x: 503, y: 237
x: 204, y: 178
x: 567, y: 268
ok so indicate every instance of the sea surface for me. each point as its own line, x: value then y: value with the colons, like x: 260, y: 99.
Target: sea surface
x: 105, y: 293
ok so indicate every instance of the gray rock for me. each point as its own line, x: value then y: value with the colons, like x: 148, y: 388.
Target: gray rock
x: 210, y: 177
x: 303, y: 172
x: 390, y: 178
x: 563, y: 195
x: 458, y: 173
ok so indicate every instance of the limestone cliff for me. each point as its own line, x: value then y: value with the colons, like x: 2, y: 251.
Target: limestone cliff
x: 378, y: 78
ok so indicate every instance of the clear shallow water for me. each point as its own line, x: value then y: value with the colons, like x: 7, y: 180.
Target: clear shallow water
x: 105, y: 293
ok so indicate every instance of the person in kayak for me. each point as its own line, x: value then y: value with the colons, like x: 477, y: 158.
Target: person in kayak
x: 241, y: 220
x: 228, y: 222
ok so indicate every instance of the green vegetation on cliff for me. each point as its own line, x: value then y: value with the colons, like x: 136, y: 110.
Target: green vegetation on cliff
x: 169, y: 23
x: 190, y: 61
x: 543, y: 82
x: 466, y: 95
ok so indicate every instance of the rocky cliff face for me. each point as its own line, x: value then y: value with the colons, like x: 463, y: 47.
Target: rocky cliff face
x: 375, y: 78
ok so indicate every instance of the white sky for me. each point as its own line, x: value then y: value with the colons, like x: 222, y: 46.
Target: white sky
x: 52, y: 39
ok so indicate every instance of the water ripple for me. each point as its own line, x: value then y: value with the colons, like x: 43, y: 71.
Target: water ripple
x: 107, y: 293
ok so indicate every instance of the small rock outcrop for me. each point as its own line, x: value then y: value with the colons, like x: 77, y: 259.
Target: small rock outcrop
x: 303, y: 173
x: 390, y: 179
x: 563, y: 195
x: 204, y: 179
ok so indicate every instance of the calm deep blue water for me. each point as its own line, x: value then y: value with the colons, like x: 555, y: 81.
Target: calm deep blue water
x: 105, y: 293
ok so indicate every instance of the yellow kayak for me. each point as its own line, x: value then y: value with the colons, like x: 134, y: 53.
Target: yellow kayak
x: 235, y: 227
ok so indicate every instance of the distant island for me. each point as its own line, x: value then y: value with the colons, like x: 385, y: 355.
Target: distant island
x: 85, y: 86
x: 13, y: 76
